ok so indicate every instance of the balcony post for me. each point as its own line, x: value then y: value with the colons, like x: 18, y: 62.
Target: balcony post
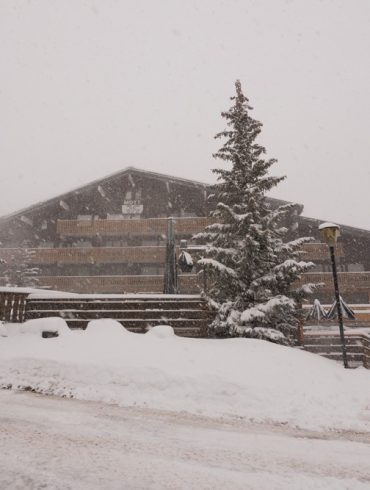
x: 170, y: 270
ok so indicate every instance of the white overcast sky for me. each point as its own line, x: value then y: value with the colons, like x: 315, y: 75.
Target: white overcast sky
x: 88, y: 87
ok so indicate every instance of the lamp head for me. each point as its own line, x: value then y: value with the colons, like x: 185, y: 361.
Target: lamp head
x: 329, y: 233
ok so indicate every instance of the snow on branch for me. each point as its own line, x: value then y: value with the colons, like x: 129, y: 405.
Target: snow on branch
x: 294, y: 245
x: 259, y: 311
x: 262, y: 333
x: 214, y: 264
x: 225, y: 209
x: 293, y: 267
x: 309, y: 288
x: 222, y: 251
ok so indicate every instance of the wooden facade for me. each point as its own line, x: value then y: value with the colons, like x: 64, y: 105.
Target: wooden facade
x: 109, y: 237
x: 103, y: 255
x: 142, y: 227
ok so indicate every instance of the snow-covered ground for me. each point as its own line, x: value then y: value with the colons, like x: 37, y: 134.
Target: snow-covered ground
x: 237, y: 379
x: 36, y: 291
x: 58, y: 444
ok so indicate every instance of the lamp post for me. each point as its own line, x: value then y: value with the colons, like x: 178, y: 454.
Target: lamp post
x: 329, y: 234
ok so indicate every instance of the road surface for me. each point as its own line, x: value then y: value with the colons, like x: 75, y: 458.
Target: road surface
x: 55, y: 443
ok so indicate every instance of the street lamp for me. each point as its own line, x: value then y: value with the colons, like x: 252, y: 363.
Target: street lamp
x: 329, y: 234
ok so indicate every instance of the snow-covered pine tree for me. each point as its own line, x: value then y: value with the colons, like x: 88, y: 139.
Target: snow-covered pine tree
x: 250, y: 269
x: 18, y: 271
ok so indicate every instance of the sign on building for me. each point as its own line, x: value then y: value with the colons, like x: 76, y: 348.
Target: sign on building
x: 132, y: 208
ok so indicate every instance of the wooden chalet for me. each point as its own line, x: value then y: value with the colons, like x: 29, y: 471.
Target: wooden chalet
x: 109, y: 236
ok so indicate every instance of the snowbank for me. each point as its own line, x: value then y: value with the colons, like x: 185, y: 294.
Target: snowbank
x: 106, y: 330
x: 161, y: 331
x: 55, y: 325
x: 42, y: 292
x: 243, y: 378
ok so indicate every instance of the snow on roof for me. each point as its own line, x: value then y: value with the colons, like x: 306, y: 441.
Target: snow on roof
x: 348, y: 228
x: 99, y: 181
x: 110, y: 177
x: 155, y: 175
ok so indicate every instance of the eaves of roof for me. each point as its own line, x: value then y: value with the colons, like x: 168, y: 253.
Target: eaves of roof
x: 155, y: 175
x: 103, y: 180
x: 347, y: 228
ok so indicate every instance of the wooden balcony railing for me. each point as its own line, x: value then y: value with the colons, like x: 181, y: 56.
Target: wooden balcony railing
x: 106, y: 255
x: 188, y: 284
x: 320, y: 251
x: 98, y: 255
x: 348, y: 281
x: 87, y: 255
x: 149, y: 226
x: 158, y: 226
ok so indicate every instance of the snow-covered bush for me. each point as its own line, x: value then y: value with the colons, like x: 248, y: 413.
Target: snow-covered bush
x: 161, y: 331
x: 106, y: 327
x: 249, y: 265
x: 19, y: 270
x: 37, y: 326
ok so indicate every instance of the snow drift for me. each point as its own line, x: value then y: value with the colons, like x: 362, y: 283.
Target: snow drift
x: 244, y: 378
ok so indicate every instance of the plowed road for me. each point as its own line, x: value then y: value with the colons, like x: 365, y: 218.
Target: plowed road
x: 52, y: 443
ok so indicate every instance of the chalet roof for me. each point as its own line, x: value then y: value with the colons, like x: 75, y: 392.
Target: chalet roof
x: 346, y: 228
x: 108, y: 178
x: 103, y: 180
x: 153, y: 175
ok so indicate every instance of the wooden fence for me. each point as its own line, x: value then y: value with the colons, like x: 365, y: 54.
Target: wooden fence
x: 12, y: 306
x: 187, y: 314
